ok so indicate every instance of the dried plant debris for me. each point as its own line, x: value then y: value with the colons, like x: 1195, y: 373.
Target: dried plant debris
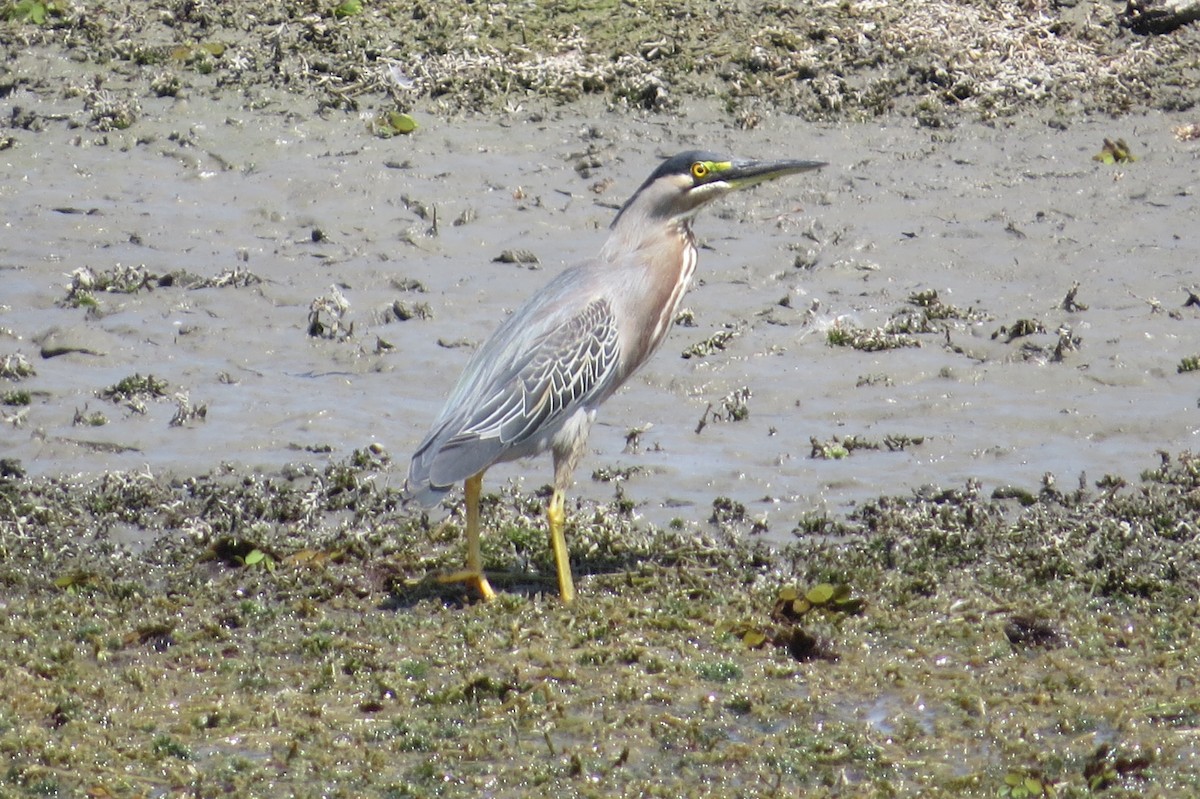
x: 935, y: 309
x: 186, y: 412
x: 733, y: 407
x: 401, y: 311
x: 1064, y: 341
x: 1067, y: 342
x: 876, y: 379
x: 833, y: 62
x: 868, y: 340
x: 521, y: 257
x: 717, y: 342
x: 606, y: 474
x: 16, y: 366
x: 237, y: 277
x: 633, y: 438
x: 408, y: 284
x: 928, y: 315
x: 685, y: 318
x: 1189, y: 132
x: 837, y: 448
x: 86, y: 283
x: 1070, y: 304
x: 327, y: 316
x: 108, y: 111
x: 1019, y: 329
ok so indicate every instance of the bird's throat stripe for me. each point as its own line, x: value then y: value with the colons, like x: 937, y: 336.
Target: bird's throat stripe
x: 671, y: 308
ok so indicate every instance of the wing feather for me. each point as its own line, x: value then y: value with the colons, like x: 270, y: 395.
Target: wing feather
x: 517, y: 393
x: 561, y: 372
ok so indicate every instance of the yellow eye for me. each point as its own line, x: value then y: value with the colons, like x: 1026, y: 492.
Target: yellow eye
x: 699, y: 170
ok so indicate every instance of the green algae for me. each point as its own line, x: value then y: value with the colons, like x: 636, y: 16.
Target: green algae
x: 988, y: 639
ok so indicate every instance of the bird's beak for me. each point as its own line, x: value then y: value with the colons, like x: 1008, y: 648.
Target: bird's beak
x: 744, y: 174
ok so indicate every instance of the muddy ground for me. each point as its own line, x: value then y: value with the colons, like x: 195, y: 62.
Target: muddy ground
x: 953, y: 374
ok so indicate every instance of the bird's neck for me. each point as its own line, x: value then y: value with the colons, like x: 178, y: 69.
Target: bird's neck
x: 634, y: 237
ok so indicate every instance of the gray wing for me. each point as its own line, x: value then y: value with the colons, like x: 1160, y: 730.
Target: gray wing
x: 517, y: 404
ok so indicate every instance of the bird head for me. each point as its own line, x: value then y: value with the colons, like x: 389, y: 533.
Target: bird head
x: 685, y: 183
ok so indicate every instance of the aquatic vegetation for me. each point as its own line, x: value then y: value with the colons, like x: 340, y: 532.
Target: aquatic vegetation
x: 15, y: 398
x: 1027, y: 786
x: 969, y: 620
x: 35, y: 12
x: 94, y: 419
x: 1114, y: 152
x: 135, y: 386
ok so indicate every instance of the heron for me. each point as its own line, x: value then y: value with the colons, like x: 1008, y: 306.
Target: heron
x: 537, y: 382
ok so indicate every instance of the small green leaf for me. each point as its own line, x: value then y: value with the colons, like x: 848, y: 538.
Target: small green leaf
x: 402, y: 123
x: 348, y: 8
x: 754, y: 638
x: 391, y: 124
x: 255, y: 556
x: 820, y: 594
x: 1114, y: 152
x: 28, y: 11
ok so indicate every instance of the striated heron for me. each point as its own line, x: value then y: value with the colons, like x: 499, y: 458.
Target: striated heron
x: 536, y: 383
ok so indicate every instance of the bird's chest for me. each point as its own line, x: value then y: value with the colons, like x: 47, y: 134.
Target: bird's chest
x: 663, y: 294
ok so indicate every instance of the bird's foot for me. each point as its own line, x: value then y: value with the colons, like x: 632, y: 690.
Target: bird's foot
x: 476, y: 580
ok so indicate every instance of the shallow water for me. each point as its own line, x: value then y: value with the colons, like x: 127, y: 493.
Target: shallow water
x: 999, y: 220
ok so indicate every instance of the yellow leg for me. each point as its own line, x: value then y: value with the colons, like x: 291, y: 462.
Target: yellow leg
x: 473, y: 575
x: 557, y: 515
